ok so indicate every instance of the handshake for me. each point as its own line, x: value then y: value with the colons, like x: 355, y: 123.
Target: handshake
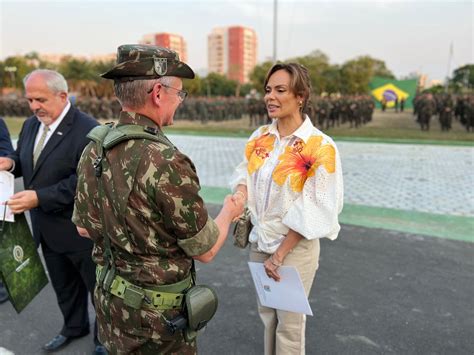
x: 234, y: 205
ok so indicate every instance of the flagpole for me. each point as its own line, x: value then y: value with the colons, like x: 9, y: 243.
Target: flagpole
x: 449, y: 67
x: 274, y: 31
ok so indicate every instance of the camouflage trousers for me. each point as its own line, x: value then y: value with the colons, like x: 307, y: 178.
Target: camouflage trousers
x: 125, y: 330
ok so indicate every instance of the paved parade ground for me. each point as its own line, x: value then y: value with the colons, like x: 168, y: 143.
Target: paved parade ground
x: 385, y: 286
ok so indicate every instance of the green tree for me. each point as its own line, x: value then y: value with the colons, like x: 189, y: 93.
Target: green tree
x: 218, y: 85
x: 193, y: 86
x: 13, y: 70
x: 463, y: 77
x: 258, y: 74
x: 317, y: 64
x: 357, y: 73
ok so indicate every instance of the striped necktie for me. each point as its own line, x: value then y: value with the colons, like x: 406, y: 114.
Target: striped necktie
x: 39, y: 146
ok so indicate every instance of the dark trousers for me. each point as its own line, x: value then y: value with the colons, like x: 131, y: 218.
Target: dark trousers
x: 72, y: 275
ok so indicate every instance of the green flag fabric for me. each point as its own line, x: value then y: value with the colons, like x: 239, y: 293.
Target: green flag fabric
x: 391, y: 89
x: 21, y: 268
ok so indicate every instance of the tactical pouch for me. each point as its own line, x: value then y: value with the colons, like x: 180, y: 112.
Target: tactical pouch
x: 133, y: 297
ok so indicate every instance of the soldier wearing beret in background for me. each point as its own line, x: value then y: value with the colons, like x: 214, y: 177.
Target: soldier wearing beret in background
x: 145, y: 217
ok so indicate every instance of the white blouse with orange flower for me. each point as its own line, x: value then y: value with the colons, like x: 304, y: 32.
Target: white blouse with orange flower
x: 292, y: 183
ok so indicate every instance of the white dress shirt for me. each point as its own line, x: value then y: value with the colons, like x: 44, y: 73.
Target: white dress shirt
x: 294, y: 182
x: 52, y: 126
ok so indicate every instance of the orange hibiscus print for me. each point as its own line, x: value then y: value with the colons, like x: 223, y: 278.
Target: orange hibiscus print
x: 257, y: 150
x: 300, y: 161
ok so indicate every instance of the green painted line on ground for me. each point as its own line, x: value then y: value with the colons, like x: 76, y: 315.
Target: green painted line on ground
x: 428, y: 224
x: 246, y: 134
x: 403, y: 141
x: 214, y: 195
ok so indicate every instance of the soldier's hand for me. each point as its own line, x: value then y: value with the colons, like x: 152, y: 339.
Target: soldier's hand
x: 83, y: 232
x: 239, y: 199
x: 234, y: 208
x: 23, y: 201
x: 5, y: 163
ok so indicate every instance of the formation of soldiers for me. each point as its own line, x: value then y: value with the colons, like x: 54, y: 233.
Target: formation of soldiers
x: 334, y: 110
x: 447, y: 107
x: 326, y: 111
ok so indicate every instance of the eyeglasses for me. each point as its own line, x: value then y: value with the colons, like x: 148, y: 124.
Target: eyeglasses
x: 181, y: 93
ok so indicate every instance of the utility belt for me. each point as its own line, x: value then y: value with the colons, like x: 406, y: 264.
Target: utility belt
x: 156, y: 298
x: 198, y: 303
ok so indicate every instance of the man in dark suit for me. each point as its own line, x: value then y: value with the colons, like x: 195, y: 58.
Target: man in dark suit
x: 49, y: 147
x: 5, y: 149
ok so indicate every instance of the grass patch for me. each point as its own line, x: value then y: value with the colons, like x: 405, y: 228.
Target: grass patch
x: 388, y: 127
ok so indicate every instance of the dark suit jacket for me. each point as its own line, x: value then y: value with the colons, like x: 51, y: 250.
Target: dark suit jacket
x: 5, y: 142
x: 54, y: 178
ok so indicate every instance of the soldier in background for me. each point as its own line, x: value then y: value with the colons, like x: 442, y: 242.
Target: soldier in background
x: 164, y: 223
x: 402, y: 104
x: 446, y: 110
x: 426, y: 107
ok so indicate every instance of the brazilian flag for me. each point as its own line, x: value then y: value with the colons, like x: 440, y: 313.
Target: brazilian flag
x: 391, y: 89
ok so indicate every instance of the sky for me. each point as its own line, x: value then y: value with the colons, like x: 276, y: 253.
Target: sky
x: 410, y: 36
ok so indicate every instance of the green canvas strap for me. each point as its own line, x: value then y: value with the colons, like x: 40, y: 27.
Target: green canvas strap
x: 106, y: 137
x: 159, y: 297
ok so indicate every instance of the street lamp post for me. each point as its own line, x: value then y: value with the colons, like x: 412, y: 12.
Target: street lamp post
x: 12, y: 71
x: 275, y: 13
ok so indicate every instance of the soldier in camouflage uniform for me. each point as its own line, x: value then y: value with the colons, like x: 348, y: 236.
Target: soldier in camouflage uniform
x: 145, y: 216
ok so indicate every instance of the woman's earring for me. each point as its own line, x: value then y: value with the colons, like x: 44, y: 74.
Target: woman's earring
x: 301, y: 103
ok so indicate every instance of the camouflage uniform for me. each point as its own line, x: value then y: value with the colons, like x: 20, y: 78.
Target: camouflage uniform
x: 167, y: 224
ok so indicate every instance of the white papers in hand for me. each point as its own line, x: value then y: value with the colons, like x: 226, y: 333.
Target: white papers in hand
x: 287, y: 294
x: 7, y: 181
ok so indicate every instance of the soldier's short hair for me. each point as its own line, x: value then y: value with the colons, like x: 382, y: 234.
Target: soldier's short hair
x: 54, y: 80
x: 300, y: 83
x: 133, y: 94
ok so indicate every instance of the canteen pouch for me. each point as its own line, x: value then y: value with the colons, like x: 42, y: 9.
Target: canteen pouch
x: 201, y: 305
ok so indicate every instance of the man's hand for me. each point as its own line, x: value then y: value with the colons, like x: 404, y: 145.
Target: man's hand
x: 23, y: 201
x: 5, y: 163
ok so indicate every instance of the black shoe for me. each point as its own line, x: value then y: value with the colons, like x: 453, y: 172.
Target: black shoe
x: 3, y: 294
x: 57, y: 343
x: 60, y: 341
x: 100, y: 350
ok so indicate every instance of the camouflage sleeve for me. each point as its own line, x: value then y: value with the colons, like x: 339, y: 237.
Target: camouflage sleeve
x: 182, y: 210
x: 86, y: 208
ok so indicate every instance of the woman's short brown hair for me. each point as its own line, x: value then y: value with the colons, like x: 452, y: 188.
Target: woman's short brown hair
x: 300, y: 83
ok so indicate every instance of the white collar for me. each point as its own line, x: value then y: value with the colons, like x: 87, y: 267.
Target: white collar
x: 52, y: 127
x: 304, y: 131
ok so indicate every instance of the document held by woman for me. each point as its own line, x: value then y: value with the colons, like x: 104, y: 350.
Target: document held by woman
x: 288, y: 294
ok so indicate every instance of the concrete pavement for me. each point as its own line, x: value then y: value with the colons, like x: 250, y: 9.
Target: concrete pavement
x: 377, y: 291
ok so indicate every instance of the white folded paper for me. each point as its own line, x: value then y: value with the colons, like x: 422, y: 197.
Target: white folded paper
x: 7, y: 183
x: 287, y: 294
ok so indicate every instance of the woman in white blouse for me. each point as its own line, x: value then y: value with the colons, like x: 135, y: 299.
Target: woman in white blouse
x: 291, y: 179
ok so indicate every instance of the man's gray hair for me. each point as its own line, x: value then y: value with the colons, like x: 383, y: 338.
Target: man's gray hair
x: 132, y: 94
x: 54, y: 80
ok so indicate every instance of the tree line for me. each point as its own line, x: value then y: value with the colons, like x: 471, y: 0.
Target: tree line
x: 350, y: 78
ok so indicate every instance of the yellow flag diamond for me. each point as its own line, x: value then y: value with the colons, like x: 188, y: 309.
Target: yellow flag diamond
x: 389, y: 92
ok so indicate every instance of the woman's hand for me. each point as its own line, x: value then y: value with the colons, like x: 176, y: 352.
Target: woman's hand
x: 271, y: 266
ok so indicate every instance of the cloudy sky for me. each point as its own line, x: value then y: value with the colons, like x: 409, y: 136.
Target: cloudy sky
x: 408, y: 35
